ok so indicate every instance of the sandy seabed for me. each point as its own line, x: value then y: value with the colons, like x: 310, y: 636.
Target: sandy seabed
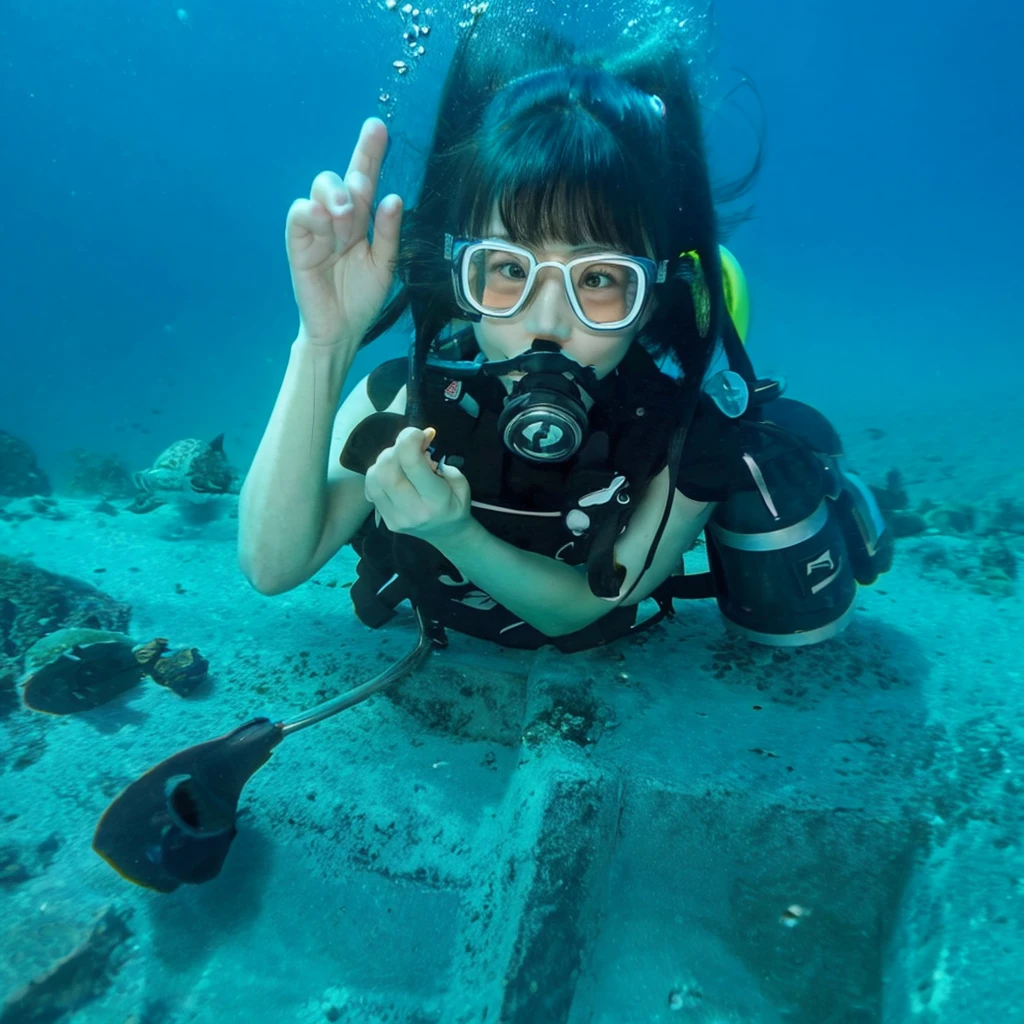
x: 684, y: 827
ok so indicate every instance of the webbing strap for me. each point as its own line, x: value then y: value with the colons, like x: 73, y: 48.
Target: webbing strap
x: 675, y: 455
x: 687, y: 588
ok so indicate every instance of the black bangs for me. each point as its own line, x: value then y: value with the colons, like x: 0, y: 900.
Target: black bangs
x: 568, y: 147
x: 556, y: 171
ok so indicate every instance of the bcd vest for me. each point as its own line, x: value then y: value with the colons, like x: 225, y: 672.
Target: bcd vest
x: 793, y: 534
x: 573, y: 512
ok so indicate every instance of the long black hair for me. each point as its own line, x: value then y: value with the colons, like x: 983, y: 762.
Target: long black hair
x: 605, y: 147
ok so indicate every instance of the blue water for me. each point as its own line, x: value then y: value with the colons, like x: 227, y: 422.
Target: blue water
x: 149, y: 163
x: 149, y: 154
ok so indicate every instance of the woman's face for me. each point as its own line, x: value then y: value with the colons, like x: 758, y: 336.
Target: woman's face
x: 548, y: 316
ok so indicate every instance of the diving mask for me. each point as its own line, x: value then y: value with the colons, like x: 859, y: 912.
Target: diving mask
x: 496, y: 278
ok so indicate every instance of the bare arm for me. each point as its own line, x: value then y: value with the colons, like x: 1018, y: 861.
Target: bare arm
x: 299, y: 506
x: 555, y: 598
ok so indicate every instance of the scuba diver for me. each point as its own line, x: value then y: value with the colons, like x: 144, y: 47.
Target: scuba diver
x: 560, y: 433
x: 530, y: 473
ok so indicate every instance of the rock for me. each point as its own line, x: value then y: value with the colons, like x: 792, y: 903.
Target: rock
x: 997, y: 556
x: 1007, y: 517
x: 47, y: 508
x: 952, y: 517
x: 78, y: 669
x: 101, y: 476
x: 893, y: 496
x: 73, y: 982
x: 894, y: 504
x: 906, y: 524
x: 181, y: 671
x: 988, y: 568
x: 35, y: 603
x: 20, y: 475
x: 12, y: 866
x: 19, y: 864
x: 8, y: 693
x: 997, y: 569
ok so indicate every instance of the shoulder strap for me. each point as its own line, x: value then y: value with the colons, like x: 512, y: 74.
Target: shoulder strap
x: 675, y: 454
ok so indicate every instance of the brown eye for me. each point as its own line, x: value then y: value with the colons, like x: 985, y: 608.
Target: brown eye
x: 511, y: 270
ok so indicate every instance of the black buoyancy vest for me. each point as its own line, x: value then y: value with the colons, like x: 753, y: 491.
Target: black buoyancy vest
x: 792, y: 536
x: 573, y: 511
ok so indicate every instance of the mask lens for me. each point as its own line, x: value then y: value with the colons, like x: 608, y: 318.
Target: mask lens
x: 606, y: 291
x: 496, y: 278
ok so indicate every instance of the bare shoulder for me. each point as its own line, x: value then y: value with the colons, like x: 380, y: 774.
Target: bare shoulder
x: 686, y: 521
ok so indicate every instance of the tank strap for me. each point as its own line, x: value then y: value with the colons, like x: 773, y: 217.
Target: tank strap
x: 637, y: 456
x: 696, y: 587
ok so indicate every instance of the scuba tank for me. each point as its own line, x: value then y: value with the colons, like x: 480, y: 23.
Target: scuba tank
x: 787, y: 553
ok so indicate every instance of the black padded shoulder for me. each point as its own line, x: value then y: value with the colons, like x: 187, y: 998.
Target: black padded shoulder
x: 712, y: 454
x: 805, y: 422
x: 369, y: 438
x: 385, y: 381
x: 712, y: 465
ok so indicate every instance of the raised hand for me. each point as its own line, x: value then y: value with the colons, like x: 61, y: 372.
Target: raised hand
x: 340, y: 280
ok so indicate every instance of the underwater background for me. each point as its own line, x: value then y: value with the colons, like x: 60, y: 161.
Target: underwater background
x: 151, y: 159
x: 851, y: 853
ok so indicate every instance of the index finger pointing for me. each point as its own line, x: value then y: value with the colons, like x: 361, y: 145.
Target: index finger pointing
x: 371, y: 146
